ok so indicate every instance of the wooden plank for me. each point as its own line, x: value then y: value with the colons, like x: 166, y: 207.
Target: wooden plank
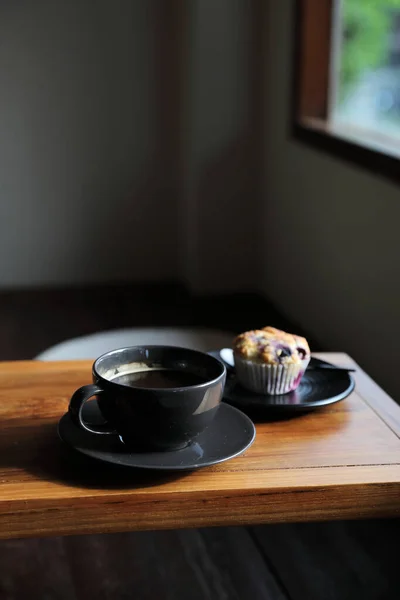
x: 35, y: 569
x: 197, y: 564
x: 230, y: 564
x: 339, y: 561
x: 312, y: 60
x: 339, y: 462
x: 383, y: 405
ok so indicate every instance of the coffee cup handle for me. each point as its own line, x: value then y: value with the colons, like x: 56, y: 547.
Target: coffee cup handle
x: 76, y: 404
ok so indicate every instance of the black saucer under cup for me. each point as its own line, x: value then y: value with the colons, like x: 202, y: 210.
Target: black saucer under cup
x: 128, y: 386
x: 319, y: 387
x: 229, y: 435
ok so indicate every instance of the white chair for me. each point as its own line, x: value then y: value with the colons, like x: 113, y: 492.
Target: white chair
x: 92, y: 346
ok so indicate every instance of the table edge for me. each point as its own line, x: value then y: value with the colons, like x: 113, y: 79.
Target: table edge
x: 368, y: 390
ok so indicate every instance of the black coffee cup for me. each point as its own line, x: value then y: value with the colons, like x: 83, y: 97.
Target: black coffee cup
x: 153, y: 397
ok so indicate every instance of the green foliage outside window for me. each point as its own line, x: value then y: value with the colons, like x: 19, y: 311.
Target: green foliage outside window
x: 367, y: 29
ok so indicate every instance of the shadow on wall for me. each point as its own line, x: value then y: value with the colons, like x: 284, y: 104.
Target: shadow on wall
x: 102, y: 119
x: 86, y: 175
x: 226, y: 224
x: 223, y: 205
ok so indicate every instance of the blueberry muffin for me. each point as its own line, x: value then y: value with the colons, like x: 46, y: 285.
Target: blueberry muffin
x: 270, y: 361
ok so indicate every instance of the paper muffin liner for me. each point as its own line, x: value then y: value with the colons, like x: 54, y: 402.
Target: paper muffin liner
x: 269, y: 379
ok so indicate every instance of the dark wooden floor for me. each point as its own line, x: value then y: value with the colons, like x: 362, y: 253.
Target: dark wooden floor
x: 326, y: 561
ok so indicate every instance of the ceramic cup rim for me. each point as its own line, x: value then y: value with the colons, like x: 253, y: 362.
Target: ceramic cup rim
x: 207, y: 383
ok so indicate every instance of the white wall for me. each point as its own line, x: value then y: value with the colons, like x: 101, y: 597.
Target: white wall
x: 331, y: 232
x: 89, y: 190
x: 79, y: 188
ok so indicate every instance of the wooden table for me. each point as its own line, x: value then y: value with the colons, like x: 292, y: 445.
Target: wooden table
x: 341, y: 462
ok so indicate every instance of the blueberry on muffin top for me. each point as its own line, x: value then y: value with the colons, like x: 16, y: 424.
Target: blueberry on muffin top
x: 271, y: 346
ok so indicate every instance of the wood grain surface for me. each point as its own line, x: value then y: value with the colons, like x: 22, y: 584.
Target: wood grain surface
x: 339, y: 462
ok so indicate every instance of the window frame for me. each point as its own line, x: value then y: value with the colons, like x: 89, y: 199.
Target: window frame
x: 312, y: 64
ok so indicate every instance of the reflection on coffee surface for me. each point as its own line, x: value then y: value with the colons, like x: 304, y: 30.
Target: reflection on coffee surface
x: 159, y: 378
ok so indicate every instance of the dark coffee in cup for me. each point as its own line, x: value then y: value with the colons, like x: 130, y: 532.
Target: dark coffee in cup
x: 153, y: 397
x: 159, y: 378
